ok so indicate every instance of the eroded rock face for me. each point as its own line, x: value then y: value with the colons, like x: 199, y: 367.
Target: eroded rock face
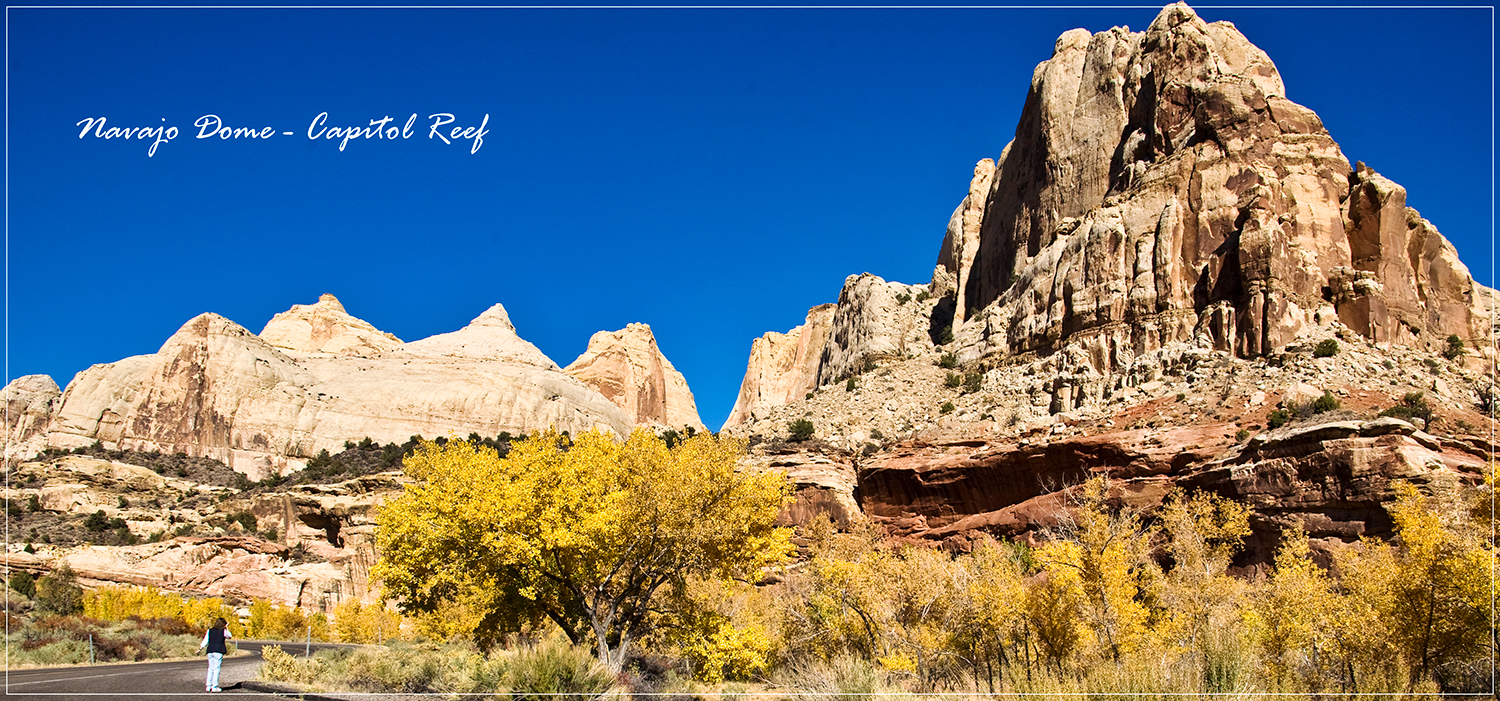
x: 783, y: 367
x: 1331, y: 479
x: 1161, y: 188
x: 628, y: 369
x: 217, y: 390
x: 871, y: 323
x: 29, y: 404
x: 325, y: 327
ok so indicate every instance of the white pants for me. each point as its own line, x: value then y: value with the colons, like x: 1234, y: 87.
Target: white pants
x: 214, y: 660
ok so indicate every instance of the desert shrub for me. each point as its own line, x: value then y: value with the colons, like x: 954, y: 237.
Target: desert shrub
x: 948, y: 361
x: 923, y: 296
x: 849, y: 385
x: 1325, y: 403
x: 1277, y: 418
x: 799, y: 430
x: 24, y: 583
x: 952, y: 381
x: 947, y: 408
x: 1241, y: 436
x: 973, y: 381
x: 246, y: 520
x: 903, y: 298
x: 1455, y: 349
x: 1413, y: 405
x: 843, y: 677
x: 539, y: 673
x: 1326, y: 348
x: 278, y: 666
x: 946, y: 336
x: 58, y: 592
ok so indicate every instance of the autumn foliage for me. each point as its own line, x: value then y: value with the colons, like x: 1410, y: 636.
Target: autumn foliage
x: 596, y: 536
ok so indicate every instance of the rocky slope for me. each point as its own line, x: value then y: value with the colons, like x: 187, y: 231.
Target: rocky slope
x: 316, y: 377
x: 312, y: 546
x: 628, y: 368
x: 1143, y: 274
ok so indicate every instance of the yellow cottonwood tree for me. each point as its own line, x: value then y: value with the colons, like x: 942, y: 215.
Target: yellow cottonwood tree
x: 589, y: 536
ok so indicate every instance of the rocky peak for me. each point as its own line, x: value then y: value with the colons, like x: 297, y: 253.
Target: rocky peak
x: 490, y: 336
x: 1160, y: 188
x: 628, y: 369
x: 325, y: 327
x: 782, y: 367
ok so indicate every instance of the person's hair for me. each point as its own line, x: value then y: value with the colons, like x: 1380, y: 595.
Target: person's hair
x: 220, y: 623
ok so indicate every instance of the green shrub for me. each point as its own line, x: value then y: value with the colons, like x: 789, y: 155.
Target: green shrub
x: 246, y: 520
x: 1278, y: 418
x: 923, y: 296
x: 1326, y: 348
x: 543, y: 672
x: 903, y: 298
x: 948, y: 361
x: 1413, y: 405
x: 59, y: 592
x: 1455, y: 349
x: 799, y: 430
x: 23, y: 583
x: 973, y: 381
x: 946, y: 336
x: 849, y: 385
x: 1241, y: 436
x: 809, y: 396
x: 1325, y: 403
x: 953, y: 380
x: 33, y: 504
x: 947, y: 408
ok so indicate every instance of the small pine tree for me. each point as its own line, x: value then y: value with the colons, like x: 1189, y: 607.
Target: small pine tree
x: 799, y: 430
x: 1326, y: 348
x: 1455, y: 349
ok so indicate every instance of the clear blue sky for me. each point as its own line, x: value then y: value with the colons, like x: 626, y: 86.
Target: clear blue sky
x: 711, y: 172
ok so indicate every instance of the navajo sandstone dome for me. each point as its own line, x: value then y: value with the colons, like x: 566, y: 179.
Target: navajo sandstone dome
x: 316, y: 377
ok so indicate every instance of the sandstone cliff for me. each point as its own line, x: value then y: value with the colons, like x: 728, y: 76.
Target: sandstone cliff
x: 217, y: 390
x: 1161, y: 188
x: 1135, y: 287
x: 29, y: 403
x: 628, y: 368
x: 782, y: 367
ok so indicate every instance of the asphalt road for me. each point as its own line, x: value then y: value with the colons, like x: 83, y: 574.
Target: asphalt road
x: 145, y: 680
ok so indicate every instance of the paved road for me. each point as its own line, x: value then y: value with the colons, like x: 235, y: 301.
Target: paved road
x: 144, y: 680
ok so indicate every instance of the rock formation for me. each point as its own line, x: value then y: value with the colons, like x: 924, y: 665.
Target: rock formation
x: 29, y: 404
x: 1161, y: 188
x: 782, y: 367
x: 1132, y: 288
x: 628, y: 368
x: 334, y: 524
x: 217, y: 390
x: 325, y: 327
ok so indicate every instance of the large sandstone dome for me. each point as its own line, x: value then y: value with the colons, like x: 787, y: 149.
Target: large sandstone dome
x: 316, y: 377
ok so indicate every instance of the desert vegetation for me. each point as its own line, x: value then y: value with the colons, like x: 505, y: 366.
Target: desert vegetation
x: 1112, y: 600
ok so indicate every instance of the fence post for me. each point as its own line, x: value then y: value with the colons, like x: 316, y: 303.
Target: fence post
x: 308, y: 651
x: 91, y: 648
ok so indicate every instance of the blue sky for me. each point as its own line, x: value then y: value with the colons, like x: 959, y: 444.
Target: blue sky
x: 710, y: 172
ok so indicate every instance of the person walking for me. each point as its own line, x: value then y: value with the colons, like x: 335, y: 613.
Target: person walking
x: 213, y: 641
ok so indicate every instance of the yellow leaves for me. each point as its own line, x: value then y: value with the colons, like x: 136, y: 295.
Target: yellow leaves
x: 118, y: 603
x: 577, y: 532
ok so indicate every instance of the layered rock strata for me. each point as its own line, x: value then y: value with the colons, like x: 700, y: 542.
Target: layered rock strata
x: 628, y: 369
